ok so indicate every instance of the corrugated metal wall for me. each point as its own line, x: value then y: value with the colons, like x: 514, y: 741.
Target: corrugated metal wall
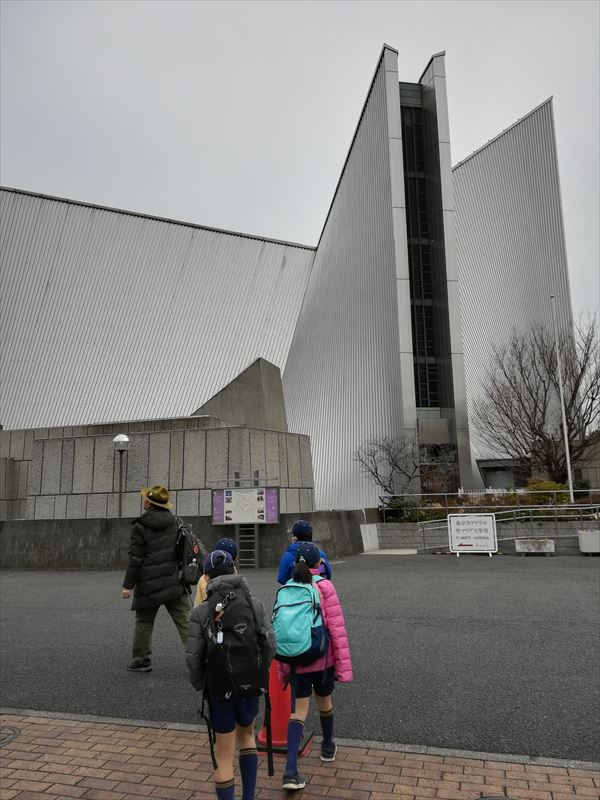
x: 510, y: 242
x: 108, y: 316
x: 342, y: 381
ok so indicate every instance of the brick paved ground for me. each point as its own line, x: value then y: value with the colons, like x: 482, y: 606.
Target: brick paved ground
x: 66, y: 758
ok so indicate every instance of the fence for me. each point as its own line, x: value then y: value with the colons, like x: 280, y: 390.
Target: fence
x: 422, y: 507
x: 517, y: 518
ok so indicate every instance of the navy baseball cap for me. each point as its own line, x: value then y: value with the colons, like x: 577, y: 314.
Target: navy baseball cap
x: 309, y: 552
x: 229, y: 546
x: 218, y: 563
x: 302, y: 530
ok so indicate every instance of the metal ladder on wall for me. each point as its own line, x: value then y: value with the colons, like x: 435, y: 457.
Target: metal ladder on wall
x: 247, y: 539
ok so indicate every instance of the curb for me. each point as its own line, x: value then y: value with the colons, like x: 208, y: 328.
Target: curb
x: 393, y: 747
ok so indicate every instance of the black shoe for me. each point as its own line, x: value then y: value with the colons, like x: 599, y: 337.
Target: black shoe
x: 293, y: 782
x: 328, y: 753
x: 140, y: 665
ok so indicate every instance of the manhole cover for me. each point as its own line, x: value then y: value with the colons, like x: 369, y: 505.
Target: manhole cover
x: 7, y: 734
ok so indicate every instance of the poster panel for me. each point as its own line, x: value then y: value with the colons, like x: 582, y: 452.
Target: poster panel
x: 258, y: 505
x: 472, y: 533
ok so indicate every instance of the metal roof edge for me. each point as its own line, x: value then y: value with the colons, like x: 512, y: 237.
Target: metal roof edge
x: 155, y: 218
x: 435, y: 55
x: 503, y: 132
x: 337, y: 186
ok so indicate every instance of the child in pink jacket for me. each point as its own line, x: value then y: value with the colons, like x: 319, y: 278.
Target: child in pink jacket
x: 317, y: 676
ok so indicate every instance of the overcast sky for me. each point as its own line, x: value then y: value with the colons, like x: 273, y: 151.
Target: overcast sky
x: 239, y: 115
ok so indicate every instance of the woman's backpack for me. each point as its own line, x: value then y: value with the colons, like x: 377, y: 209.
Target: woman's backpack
x: 300, y: 634
x: 189, y: 551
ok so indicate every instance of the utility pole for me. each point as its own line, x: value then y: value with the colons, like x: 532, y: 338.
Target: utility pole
x: 562, y: 401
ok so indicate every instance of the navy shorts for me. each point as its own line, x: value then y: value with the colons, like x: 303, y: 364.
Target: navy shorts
x: 225, y: 713
x: 322, y: 682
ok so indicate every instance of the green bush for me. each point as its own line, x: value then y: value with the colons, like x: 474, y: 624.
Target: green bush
x: 543, y: 493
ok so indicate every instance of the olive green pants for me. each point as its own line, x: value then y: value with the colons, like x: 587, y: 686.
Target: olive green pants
x: 179, y: 611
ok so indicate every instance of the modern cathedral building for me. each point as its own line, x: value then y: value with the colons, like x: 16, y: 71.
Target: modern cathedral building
x: 381, y: 330
x: 510, y: 248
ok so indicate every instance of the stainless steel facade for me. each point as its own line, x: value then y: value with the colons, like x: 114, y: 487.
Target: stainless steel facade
x: 350, y: 374
x: 510, y: 242
x: 109, y: 316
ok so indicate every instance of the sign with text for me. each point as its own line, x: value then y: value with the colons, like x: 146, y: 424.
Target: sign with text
x: 472, y: 533
x: 245, y: 506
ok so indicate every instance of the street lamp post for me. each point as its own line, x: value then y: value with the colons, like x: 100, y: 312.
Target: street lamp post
x: 121, y: 444
x: 562, y: 401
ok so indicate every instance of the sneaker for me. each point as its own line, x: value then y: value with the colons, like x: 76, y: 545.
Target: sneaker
x: 328, y: 753
x: 140, y: 665
x: 293, y: 782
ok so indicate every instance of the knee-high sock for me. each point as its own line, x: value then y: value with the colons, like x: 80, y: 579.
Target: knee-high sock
x: 327, y: 726
x: 248, y: 761
x: 294, y: 737
x: 225, y: 790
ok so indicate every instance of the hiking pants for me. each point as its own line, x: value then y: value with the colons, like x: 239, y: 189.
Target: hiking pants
x: 179, y: 611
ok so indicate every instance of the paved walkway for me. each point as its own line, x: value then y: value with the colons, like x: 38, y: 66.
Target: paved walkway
x: 52, y: 758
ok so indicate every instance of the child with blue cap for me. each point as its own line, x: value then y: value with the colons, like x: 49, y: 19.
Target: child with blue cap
x: 226, y: 545
x: 301, y: 531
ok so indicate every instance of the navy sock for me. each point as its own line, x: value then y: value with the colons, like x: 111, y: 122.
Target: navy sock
x: 327, y: 727
x: 225, y: 790
x: 294, y: 738
x: 248, y: 761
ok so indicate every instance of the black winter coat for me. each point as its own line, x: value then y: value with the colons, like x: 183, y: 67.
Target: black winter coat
x: 153, y: 568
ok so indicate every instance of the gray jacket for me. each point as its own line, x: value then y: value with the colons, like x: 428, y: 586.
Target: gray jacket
x: 195, y: 653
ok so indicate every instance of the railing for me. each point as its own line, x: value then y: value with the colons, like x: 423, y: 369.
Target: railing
x: 520, y: 516
x: 420, y: 506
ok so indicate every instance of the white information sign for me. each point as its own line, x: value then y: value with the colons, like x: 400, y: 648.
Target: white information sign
x: 245, y: 506
x: 472, y: 533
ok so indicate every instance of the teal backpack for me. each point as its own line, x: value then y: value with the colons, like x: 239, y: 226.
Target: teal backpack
x: 298, y: 625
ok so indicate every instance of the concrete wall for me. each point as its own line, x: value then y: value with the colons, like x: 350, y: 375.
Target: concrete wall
x: 103, y: 543
x: 253, y: 399
x: 16, y: 452
x: 73, y: 473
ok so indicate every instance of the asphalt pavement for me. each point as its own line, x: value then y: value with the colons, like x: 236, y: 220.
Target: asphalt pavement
x: 496, y: 655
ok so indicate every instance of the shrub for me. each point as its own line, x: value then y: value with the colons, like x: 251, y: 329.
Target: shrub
x: 544, y: 493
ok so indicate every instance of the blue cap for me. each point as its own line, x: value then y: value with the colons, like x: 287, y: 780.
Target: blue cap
x: 218, y: 563
x: 309, y: 552
x: 229, y: 546
x: 302, y: 530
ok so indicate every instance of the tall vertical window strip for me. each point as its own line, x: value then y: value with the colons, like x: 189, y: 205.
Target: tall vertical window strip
x: 419, y: 258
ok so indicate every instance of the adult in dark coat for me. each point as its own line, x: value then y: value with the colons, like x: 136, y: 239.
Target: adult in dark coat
x: 153, y: 575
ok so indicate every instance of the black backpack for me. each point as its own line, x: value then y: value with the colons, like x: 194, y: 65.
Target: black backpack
x: 190, y: 553
x: 234, y: 662
x: 235, y: 665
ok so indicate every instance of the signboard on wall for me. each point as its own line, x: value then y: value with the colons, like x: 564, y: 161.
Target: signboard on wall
x: 472, y: 533
x: 245, y: 506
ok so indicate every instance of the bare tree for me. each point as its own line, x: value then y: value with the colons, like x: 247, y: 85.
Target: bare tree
x: 439, y: 468
x: 392, y: 462
x: 519, y: 412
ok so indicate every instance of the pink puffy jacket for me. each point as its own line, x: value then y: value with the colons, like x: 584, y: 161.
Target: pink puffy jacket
x: 338, y: 652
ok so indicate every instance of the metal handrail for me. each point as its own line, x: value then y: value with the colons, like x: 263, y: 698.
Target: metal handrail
x: 523, y: 516
x: 424, y: 502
